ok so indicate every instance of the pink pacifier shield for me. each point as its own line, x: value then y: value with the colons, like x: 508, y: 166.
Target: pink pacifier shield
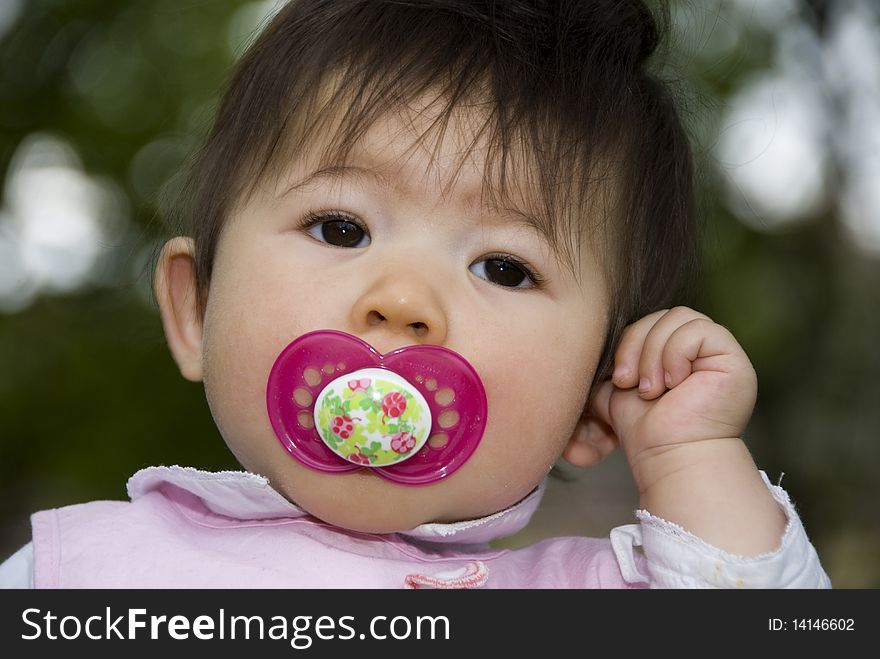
x: 449, y: 384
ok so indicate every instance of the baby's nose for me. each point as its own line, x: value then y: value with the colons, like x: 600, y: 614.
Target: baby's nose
x: 400, y: 307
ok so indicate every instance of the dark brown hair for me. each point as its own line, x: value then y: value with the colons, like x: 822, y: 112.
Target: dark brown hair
x: 565, y: 82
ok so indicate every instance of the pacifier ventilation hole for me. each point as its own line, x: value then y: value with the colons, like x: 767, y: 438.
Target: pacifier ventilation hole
x: 447, y: 419
x: 306, y: 419
x: 303, y: 397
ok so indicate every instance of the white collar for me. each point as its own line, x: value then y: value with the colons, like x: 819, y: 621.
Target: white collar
x: 243, y: 495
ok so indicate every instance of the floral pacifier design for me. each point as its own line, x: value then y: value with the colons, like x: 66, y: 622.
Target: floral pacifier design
x: 414, y: 415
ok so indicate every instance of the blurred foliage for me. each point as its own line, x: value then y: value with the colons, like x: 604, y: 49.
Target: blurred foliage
x: 88, y: 393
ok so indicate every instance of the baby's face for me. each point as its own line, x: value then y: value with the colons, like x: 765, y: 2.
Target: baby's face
x: 397, y: 250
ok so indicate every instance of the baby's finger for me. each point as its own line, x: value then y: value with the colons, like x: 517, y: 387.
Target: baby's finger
x: 698, y: 345
x: 629, y: 350
x: 652, y: 375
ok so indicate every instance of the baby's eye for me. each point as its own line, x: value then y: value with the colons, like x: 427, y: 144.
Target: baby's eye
x: 505, y: 270
x: 337, y: 229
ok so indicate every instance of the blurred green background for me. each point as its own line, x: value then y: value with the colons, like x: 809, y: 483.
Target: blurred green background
x: 101, y: 101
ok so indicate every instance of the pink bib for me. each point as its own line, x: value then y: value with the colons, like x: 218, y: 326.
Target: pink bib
x: 185, y: 528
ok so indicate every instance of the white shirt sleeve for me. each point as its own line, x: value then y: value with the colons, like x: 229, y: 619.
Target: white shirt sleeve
x: 17, y: 571
x: 676, y: 558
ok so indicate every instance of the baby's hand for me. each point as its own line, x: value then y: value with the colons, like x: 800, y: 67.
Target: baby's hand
x: 680, y: 381
x: 678, y: 402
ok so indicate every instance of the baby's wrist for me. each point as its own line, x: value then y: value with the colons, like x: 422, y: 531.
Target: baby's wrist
x: 655, y: 470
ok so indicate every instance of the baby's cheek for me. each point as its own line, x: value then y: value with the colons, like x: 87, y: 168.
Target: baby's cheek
x: 532, y: 415
x: 238, y: 357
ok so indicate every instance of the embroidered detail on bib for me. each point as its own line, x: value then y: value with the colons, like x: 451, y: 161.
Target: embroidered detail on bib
x: 473, y: 575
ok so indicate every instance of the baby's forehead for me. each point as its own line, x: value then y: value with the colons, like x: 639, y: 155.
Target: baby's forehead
x: 444, y: 153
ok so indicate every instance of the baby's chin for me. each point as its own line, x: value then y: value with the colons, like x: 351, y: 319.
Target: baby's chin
x: 364, y: 502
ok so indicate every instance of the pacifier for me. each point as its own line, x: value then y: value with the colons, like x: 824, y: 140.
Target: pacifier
x: 414, y: 415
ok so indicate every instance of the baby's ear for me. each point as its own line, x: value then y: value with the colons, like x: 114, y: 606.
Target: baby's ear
x: 592, y: 441
x: 175, y: 288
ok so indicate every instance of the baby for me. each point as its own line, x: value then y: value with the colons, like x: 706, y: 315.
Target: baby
x: 505, y: 187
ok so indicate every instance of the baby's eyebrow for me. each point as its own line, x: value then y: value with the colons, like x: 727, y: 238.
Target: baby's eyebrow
x: 339, y: 174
